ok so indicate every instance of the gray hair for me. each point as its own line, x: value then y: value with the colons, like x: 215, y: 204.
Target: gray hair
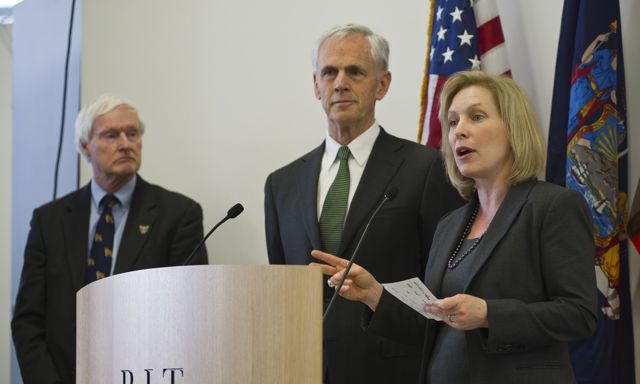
x: 379, y: 45
x: 105, y: 103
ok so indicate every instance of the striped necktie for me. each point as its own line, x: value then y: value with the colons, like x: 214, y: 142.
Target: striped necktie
x: 334, y: 209
x: 99, y: 260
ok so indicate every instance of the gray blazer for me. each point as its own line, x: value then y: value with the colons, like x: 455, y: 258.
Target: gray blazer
x: 396, y: 246
x: 535, y: 269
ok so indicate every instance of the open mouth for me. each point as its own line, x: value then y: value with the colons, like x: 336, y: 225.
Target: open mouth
x: 462, y: 151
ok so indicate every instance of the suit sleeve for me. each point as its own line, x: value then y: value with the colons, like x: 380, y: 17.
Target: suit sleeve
x: 272, y: 228
x: 188, y: 235
x: 569, y: 313
x: 28, y: 323
x: 396, y: 321
x: 439, y: 198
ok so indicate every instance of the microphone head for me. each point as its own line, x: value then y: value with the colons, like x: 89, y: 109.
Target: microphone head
x: 234, y: 211
x: 391, y: 193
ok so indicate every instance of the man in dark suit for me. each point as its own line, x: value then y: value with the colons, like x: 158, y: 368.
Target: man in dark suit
x: 350, y: 75
x: 150, y: 227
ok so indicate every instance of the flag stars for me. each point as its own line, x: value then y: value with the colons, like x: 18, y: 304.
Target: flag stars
x: 448, y: 55
x: 456, y: 15
x: 465, y: 38
x: 433, y: 50
x: 441, y: 33
x: 439, y: 13
x: 475, y: 63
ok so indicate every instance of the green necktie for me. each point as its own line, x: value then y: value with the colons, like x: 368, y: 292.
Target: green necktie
x: 334, y: 209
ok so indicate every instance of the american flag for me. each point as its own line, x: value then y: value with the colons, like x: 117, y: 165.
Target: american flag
x: 462, y: 35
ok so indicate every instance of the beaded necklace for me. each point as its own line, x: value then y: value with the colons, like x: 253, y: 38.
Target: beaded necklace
x: 453, y: 262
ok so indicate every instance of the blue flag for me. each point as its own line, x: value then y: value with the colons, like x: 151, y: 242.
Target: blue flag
x: 587, y: 152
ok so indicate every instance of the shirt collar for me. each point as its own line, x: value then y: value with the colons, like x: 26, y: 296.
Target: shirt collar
x: 360, y: 147
x: 124, y: 194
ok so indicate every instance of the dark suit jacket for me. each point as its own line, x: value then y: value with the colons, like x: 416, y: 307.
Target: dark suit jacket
x: 43, y: 324
x: 396, y: 246
x: 534, y: 267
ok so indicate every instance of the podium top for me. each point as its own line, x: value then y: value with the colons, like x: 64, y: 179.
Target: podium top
x: 216, y: 323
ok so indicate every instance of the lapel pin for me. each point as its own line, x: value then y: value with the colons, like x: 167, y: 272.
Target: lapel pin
x: 143, y: 229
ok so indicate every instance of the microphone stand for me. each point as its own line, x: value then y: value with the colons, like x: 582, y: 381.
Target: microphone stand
x: 390, y: 195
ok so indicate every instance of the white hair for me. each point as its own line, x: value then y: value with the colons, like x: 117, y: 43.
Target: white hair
x: 105, y: 103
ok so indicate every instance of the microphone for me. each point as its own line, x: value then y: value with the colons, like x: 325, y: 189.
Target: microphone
x: 388, y: 196
x: 232, y: 213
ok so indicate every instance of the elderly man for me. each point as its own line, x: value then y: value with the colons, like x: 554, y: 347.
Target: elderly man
x: 116, y: 223
x: 323, y: 199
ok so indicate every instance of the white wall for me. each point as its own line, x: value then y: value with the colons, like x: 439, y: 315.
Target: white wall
x: 225, y: 89
x: 6, y: 55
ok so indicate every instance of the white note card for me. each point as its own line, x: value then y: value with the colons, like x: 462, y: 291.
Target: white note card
x: 413, y: 293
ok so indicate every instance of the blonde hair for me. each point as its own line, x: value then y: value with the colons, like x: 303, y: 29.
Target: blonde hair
x: 525, y: 138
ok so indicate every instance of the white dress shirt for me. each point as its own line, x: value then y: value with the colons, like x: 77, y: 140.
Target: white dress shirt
x: 360, y: 149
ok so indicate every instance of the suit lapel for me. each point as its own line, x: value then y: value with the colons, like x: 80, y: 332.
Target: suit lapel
x: 382, y: 165
x: 140, y: 220
x: 504, y: 218
x: 75, y: 225
x: 307, y: 184
x: 443, y: 247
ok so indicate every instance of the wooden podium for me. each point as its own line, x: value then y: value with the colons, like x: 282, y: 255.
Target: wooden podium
x: 202, y: 324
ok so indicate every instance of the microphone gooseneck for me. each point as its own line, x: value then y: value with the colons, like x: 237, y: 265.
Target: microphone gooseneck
x: 232, y: 213
x: 388, y: 196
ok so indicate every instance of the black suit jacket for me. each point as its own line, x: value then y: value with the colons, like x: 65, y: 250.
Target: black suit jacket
x: 44, y: 321
x: 396, y: 246
x: 534, y: 267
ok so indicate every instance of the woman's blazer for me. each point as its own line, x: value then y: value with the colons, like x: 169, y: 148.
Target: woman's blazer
x: 535, y: 269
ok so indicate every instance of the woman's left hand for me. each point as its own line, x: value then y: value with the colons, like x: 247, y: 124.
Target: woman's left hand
x: 464, y: 312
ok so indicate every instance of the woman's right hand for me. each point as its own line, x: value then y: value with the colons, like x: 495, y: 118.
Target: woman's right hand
x: 360, y: 285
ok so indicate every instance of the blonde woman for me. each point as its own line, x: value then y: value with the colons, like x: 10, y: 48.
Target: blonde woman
x: 514, y: 266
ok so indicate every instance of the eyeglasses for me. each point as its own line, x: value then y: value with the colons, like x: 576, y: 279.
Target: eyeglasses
x: 112, y: 135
